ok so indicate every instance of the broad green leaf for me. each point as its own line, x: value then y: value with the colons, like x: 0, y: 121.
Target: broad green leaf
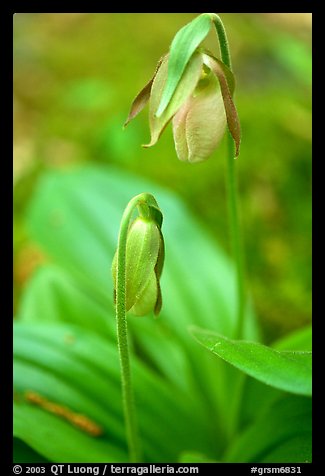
x: 182, y: 48
x: 281, y: 434
x: 58, y: 362
x: 298, y: 448
x: 23, y: 453
x: 256, y: 396
x: 300, y: 339
x: 59, y: 441
x: 161, y: 350
x: 287, y: 370
x: 189, y: 457
x: 52, y: 295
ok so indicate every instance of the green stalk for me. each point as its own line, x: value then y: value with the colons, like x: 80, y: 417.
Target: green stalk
x: 223, y: 41
x: 122, y: 336
x: 237, y: 246
x: 235, y: 232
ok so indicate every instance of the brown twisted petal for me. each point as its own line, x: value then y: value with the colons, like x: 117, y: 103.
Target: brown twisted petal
x: 142, y: 98
x: 226, y: 81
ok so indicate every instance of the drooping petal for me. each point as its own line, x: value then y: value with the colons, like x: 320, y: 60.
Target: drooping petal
x: 184, y: 89
x: 142, y: 98
x: 226, y: 82
x: 201, y: 123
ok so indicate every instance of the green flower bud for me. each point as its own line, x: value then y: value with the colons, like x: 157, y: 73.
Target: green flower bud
x: 144, y: 262
x: 201, y: 106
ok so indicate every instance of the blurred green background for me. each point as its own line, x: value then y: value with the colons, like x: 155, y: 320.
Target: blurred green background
x: 75, y: 76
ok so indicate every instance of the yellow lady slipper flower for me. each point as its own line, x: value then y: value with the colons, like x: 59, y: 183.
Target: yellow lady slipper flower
x: 200, y: 108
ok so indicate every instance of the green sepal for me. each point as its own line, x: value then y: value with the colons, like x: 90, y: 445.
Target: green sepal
x: 153, y: 207
x: 182, y: 48
x: 142, y: 248
x: 146, y: 301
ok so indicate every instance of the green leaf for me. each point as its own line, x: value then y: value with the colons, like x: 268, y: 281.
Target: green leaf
x: 190, y: 457
x: 300, y: 339
x: 182, y: 48
x: 161, y: 349
x: 23, y: 453
x: 59, y: 363
x: 48, y: 435
x: 52, y: 295
x: 255, y: 397
x: 54, y: 360
x: 288, y: 371
x: 281, y: 434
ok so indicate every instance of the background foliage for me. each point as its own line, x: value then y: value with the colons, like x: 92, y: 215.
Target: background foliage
x: 74, y: 78
x: 74, y: 171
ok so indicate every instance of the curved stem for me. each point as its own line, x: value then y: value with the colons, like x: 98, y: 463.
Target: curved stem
x: 234, y: 224
x: 121, y: 322
x: 223, y: 41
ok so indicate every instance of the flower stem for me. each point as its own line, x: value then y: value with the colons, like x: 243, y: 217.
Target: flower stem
x: 122, y: 337
x: 237, y: 245
x: 223, y: 41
